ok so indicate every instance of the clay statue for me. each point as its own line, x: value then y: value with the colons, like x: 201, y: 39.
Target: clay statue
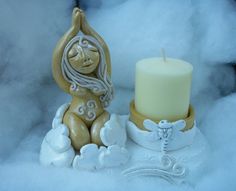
x: 82, y: 68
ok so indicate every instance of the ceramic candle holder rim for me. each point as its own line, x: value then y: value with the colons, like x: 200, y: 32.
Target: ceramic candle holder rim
x: 138, y: 118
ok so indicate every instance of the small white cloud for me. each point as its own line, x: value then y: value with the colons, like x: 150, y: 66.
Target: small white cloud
x: 58, y: 138
x: 92, y: 157
x: 56, y: 148
x: 88, y: 158
x: 113, y: 132
x: 114, y: 156
x: 59, y: 115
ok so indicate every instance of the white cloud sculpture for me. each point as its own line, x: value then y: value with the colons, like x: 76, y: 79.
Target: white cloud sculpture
x: 113, y: 133
x: 93, y: 158
x: 56, y: 148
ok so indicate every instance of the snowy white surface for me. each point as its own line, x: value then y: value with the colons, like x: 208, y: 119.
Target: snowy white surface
x: 201, y: 32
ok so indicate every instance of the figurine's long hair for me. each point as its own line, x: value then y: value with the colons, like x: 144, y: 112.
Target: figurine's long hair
x: 102, y: 84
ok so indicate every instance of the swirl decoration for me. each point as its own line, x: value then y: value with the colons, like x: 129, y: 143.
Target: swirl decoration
x: 169, y: 169
x: 88, y: 110
x: 100, y: 85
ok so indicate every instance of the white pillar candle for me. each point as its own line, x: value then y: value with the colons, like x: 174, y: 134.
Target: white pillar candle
x: 162, y: 88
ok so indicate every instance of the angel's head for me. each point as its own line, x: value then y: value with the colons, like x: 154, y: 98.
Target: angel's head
x: 83, y: 56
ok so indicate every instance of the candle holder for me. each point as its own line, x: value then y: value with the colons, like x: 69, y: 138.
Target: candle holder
x: 165, y: 149
x: 147, y: 132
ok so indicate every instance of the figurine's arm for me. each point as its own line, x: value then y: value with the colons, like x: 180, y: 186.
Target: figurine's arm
x: 88, y: 30
x: 58, y: 52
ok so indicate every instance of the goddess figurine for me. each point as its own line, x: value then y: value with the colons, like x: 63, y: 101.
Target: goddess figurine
x: 82, y: 68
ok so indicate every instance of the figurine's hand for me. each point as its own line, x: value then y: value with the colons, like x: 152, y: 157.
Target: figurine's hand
x: 84, y: 23
x: 76, y: 17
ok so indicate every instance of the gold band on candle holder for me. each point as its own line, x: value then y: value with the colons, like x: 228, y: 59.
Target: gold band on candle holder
x: 137, y: 118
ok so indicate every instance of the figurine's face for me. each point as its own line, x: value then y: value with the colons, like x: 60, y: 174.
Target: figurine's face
x: 83, y: 59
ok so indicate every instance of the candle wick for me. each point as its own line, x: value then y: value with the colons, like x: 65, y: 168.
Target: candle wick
x: 163, y: 54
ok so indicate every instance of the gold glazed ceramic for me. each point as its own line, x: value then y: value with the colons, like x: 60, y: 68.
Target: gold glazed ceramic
x: 137, y: 118
x: 81, y: 66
